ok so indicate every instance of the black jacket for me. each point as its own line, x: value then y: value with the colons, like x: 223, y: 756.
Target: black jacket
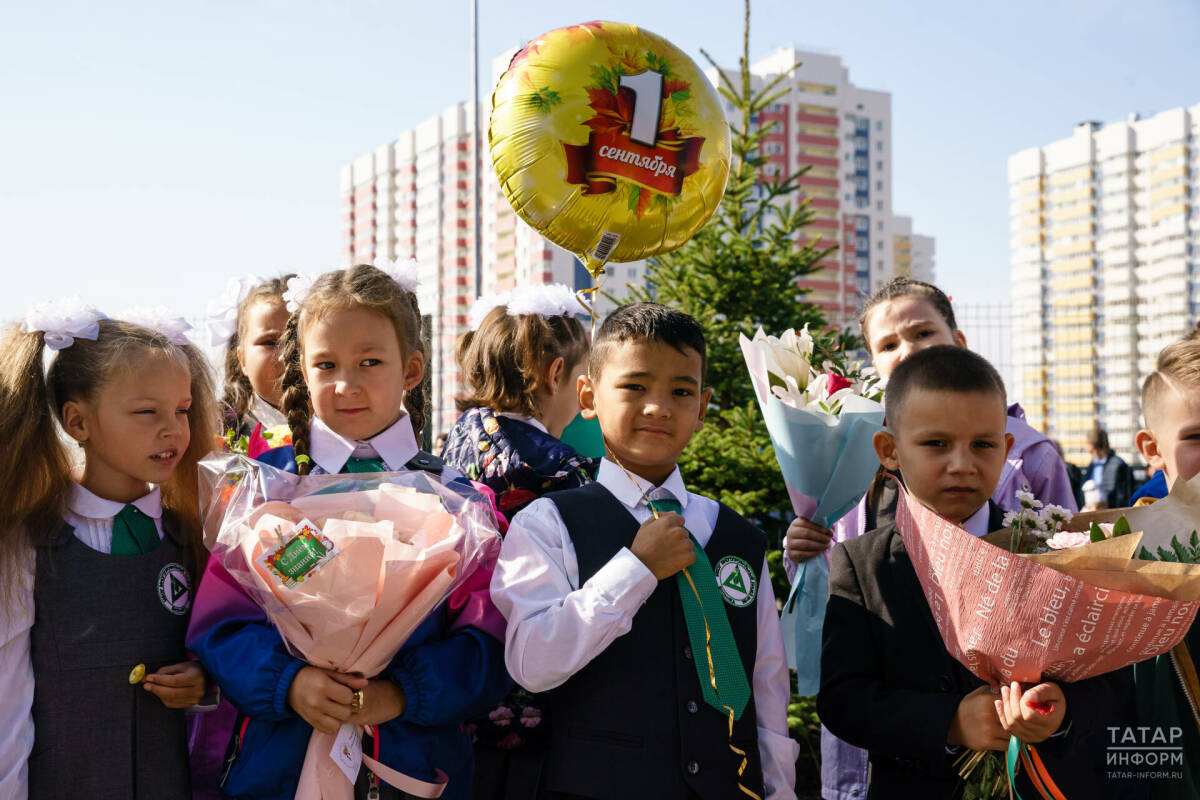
x: 889, y: 685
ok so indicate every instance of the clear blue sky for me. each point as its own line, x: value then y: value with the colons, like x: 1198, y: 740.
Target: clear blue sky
x: 150, y: 150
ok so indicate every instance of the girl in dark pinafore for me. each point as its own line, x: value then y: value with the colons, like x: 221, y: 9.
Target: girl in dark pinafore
x: 116, y: 546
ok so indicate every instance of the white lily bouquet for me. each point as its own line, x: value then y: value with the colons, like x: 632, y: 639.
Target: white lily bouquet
x: 821, y: 423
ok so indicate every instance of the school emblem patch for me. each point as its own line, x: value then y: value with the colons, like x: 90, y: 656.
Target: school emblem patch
x: 737, y: 582
x: 174, y: 589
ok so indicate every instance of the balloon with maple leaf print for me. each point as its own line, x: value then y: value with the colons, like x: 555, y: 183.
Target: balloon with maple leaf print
x: 609, y: 141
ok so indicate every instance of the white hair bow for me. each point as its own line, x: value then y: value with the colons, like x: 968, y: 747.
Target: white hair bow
x: 483, y: 306
x: 547, y: 300
x: 298, y: 288
x: 160, y: 319
x: 63, y: 321
x: 222, y: 312
x: 407, y: 274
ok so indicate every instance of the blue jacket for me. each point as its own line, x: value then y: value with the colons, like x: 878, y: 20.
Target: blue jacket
x: 448, y: 676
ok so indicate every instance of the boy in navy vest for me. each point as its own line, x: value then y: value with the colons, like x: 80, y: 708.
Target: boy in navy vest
x: 646, y: 608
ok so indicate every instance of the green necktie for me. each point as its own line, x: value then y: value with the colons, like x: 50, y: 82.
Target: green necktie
x: 364, y: 465
x: 133, y: 533
x: 732, y: 688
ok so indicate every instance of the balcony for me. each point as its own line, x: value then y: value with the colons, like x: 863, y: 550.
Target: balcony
x: 819, y: 141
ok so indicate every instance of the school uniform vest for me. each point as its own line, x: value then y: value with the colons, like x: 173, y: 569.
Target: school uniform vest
x: 633, y: 723
x: 97, y: 616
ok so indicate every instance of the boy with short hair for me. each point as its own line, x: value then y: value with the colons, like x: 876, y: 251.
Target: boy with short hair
x: 1168, y: 689
x: 887, y: 682
x: 657, y: 629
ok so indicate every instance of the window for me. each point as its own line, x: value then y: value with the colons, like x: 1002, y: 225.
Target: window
x: 880, y: 247
x: 880, y: 224
x: 879, y: 186
x: 878, y: 126
x: 879, y: 206
x: 849, y: 197
x: 861, y: 202
x: 879, y: 146
x: 879, y: 165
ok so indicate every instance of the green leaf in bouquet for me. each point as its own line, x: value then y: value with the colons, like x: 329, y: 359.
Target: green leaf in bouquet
x: 1145, y: 555
x: 1096, y: 534
x: 1121, y: 527
x: 1166, y: 555
x: 1181, y: 552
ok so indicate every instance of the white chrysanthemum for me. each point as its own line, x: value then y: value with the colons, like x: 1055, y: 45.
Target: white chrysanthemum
x: 547, y: 300
x: 63, y: 321
x: 1053, y: 518
x: 160, y: 319
x: 483, y: 306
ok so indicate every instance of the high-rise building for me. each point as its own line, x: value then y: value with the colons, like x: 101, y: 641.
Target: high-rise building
x: 1105, y: 255
x: 912, y: 253
x: 843, y: 134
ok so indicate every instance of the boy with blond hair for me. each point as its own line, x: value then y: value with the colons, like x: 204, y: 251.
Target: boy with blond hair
x: 1168, y: 690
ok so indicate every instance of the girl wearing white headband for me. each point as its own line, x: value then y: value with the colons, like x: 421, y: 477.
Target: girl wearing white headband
x: 247, y: 323
x: 92, y: 629
x: 521, y: 363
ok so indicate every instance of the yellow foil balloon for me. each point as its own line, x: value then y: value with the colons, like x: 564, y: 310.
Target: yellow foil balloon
x: 609, y: 141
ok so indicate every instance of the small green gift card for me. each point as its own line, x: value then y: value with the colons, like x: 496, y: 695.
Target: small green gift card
x: 301, y: 552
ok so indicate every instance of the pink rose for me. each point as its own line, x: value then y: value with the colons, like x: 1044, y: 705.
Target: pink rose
x: 531, y: 717
x: 501, y: 716
x: 1064, y: 540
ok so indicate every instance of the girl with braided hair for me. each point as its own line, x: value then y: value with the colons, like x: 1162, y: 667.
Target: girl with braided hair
x: 353, y: 369
x: 250, y: 329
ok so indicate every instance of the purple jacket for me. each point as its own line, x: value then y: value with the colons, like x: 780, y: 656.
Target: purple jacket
x: 1033, y: 462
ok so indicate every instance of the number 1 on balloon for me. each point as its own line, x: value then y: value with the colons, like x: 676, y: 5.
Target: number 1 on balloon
x: 647, y: 90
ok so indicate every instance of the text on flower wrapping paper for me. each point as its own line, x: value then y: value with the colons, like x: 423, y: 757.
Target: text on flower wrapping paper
x: 1090, y: 619
x: 988, y: 602
x: 1167, y: 632
x: 1049, y: 616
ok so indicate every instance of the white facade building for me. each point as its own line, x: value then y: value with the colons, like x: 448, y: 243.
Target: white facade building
x: 1105, y: 256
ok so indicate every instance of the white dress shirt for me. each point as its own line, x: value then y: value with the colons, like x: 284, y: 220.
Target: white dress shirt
x: 395, y: 447
x: 977, y: 523
x: 267, y: 414
x: 92, y: 516
x: 556, y: 627
x: 527, y: 420
x: 16, y: 676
